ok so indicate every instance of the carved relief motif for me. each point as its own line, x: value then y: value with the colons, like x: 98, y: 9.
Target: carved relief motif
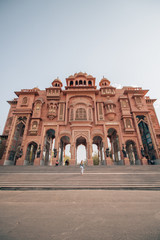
x: 9, y: 122
x: 22, y: 119
x: 24, y: 101
x: 34, y: 127
x: 52, y: 110
x: 138, y: 102
x: 81, y: 133
x: 124, y: 103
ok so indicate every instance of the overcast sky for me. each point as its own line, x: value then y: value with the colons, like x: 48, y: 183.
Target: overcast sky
x: 41, y: 40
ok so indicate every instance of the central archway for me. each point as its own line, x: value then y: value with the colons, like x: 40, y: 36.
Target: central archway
x: 81, y: 150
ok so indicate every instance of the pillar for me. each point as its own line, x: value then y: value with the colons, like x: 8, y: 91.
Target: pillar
x: 89, y: 154
x: 72, y: 160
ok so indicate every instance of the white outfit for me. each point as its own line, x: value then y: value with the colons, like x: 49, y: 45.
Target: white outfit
x: 82, y: 169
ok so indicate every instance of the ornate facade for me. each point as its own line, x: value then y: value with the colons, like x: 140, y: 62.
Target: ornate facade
x: 41, y: 123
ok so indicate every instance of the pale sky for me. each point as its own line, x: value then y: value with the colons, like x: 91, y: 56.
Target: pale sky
x: 40, y: 40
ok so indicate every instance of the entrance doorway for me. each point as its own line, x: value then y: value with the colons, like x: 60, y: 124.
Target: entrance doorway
x: 81, y: 150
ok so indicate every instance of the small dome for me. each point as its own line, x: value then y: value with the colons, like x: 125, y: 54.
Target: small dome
x: 104, y: 79
x: 104, y: 82
x: 89, y: 76
x: 36, y: 89
x: 71, y: 76
x: 57, y: 83
x: 80, y: 74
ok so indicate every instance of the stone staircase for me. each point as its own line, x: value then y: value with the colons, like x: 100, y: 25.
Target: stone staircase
x: 69, y: 178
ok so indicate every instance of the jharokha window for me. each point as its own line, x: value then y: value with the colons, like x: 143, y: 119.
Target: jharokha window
x: 81, y: 114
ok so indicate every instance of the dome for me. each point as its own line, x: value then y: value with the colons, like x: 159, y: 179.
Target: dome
x: 36, y: 89
x: 89, y: 76
x: 57, y: 82
x: 104, y: 82
x: 71, y: 76
x: 80, y: 74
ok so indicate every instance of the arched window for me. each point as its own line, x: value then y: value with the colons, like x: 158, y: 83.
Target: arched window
x: 80, y: 82
x: 71, y: 83
x: 76, y: 82
x: 84, y: 82
x: 81, y: 114
x: 89, y: 83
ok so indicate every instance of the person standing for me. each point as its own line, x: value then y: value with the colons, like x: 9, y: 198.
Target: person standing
x: 82, y: 167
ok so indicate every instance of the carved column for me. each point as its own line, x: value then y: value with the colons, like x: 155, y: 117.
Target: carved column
x: 89, y: 154
x: 73, y: 157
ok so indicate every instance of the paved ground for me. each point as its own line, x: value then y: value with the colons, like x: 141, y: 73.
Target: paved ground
x: 101, y: 177
x: 80, y: 215
x: 83, y: 211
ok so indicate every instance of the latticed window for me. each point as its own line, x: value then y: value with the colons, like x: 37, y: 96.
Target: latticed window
x: 81, y: 114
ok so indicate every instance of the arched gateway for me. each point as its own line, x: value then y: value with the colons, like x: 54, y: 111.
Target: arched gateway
x: 81, y: 122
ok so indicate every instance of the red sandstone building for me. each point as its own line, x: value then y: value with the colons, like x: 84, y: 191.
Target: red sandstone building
x: 41, y: 123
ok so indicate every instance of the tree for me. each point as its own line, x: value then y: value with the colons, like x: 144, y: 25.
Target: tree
x: 95, y: 159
